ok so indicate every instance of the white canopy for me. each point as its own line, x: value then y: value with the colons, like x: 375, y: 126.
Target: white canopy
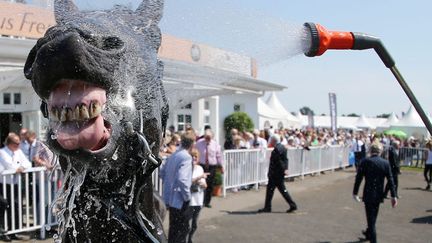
x: 274, y: 103
x: 363, y: 122
x: 411, y: 119
x: 391, y: 120
x: 265, y: 111
x: 411, y: 124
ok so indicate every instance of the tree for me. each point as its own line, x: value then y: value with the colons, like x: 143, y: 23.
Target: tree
x: 353, y: 115
x: 306, y: 111
x: 384, y: 115
x: 238, y: 120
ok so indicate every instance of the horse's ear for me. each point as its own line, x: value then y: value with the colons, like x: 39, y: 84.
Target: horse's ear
x: 150, y: 11
x: 64, y: 11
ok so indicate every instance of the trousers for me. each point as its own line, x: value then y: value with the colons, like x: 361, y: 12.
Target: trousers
x: 280, y: 185
x: 371, y: 217
x: 210, y: 179
x: 179, y: 223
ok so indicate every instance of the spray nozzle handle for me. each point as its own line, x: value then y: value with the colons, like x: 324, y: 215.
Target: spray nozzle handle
x: 364, y: 41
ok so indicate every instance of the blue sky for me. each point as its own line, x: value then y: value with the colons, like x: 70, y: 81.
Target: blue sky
x: 362, y: 83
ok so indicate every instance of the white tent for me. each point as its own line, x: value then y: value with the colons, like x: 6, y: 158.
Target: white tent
x: 411, y: 124
x: 302, y: 119
x: 391, y: 120
x: 274, y: 103
x: 363, y: 123
x: 268, y: 117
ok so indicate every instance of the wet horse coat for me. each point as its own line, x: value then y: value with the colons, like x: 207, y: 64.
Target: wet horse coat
x: 100, y: 82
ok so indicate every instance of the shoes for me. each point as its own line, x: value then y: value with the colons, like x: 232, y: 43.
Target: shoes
x: 5, y: 238
x: 292, y: 209
x: 17, y: 237
x: 366, y: 234
x: 207, y: 206
x: 428, y: 187
x: 264, y: 210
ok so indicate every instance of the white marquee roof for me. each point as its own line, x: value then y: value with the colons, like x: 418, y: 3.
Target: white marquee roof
x: 363, y: 122
x: 411, y: 119
x: 274, y: 103
x: 391, y: 120
x: 265, y: 111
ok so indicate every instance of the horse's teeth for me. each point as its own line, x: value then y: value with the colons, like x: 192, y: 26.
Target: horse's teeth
x: 83, y: 114
x: 53, y: 115
x: 95, y: 109
x: 63, y: 116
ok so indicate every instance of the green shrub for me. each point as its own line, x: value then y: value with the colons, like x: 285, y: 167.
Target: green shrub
x: 239, y: 120
x: 218, y: 180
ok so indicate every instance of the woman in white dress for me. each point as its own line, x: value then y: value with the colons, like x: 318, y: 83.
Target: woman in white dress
x: 197, y: 192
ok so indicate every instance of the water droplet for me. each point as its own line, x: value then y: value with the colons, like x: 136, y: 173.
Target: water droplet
x: 47, y: 227
x: 74, y: 233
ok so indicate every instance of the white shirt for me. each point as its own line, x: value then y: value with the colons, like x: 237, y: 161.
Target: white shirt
x: 197, y: 198
x: 429, y: 159
x: 24, y: 146
x: 12, y: 161
x: 261, y: 142
x: 357, y: 144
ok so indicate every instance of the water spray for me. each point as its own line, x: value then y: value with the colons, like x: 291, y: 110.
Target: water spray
x: 323, y: 40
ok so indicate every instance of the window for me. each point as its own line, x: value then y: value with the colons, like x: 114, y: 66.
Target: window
x: 180, y: 118
x: 207, y: 119
x: 17, y: 98
x: 180, y: 127
x: 188, y: 119
x: 206, y: 105
x: 6, y: 98
x: 280, y: 125
x: 182, y: 121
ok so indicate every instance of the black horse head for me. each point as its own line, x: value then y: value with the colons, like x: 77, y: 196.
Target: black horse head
x: 99, y: 79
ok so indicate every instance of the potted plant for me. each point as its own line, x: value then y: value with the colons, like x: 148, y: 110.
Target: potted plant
x: 217, y: 183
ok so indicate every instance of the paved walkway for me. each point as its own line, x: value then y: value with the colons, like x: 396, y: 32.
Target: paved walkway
x: 326, y: 213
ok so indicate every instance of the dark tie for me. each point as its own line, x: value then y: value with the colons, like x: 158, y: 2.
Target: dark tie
x: 207, y: 155
x: 29, y: 153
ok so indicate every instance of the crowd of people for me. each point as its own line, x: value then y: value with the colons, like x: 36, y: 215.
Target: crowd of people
x: 20, y: 152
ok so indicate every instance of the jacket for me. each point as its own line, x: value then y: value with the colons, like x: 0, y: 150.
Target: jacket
x: 374, y: 169
x: 278, y: 162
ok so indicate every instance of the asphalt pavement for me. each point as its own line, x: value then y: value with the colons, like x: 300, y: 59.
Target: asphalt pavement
x: 327, y: 213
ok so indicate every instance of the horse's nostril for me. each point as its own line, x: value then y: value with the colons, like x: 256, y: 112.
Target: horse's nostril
x: 112, y: 42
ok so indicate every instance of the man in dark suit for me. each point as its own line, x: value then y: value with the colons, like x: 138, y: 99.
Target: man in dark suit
x: 374, y: 169
x: 394, y: 160
x: 277, y: 170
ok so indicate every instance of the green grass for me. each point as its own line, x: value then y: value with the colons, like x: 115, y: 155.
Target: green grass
x: 414, y: 169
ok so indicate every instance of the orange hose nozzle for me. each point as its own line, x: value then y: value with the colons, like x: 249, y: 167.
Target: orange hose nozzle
x: 322, y: 40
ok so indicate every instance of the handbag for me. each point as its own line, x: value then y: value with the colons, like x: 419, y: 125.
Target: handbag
x: 194, y: 187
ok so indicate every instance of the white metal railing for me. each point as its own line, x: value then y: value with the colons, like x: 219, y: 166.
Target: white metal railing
x: 29, y: 195
x: 410, y: 156
x: 245, y: 167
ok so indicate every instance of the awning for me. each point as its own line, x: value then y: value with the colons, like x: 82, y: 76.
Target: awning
x: 12, y: 77
x: 186, y: 82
